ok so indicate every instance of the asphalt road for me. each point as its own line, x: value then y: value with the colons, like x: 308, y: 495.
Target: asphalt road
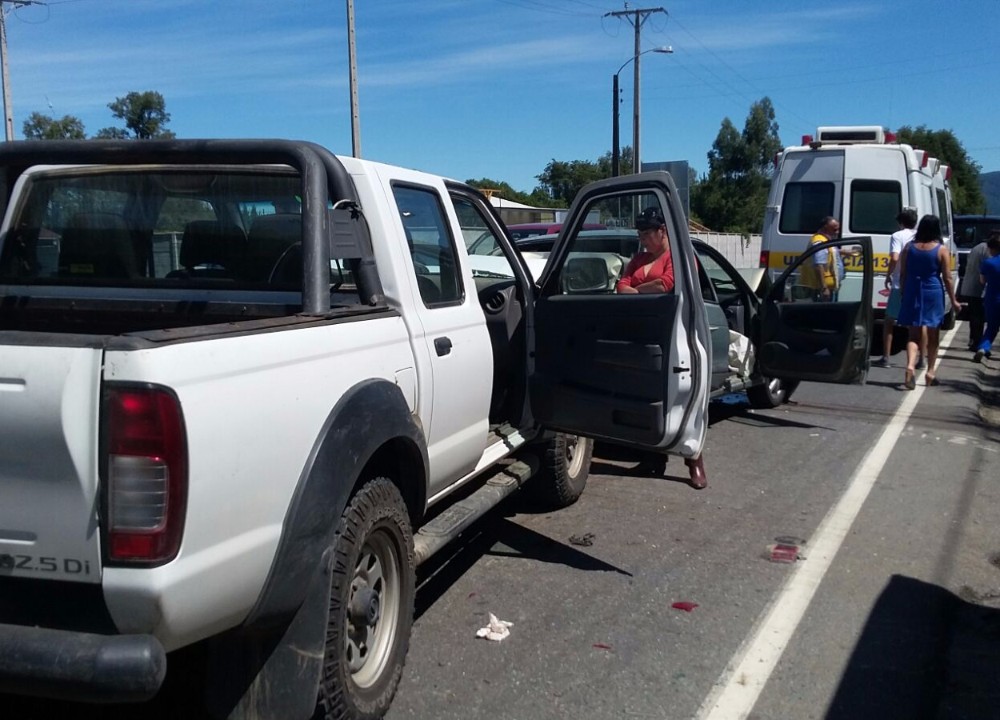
x: 904, y: 622
x: 892, y: 610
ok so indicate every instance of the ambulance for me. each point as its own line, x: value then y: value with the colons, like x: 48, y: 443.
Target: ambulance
x: 863, y: 177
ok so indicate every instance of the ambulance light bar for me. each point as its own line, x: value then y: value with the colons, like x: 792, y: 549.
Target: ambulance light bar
x: 853, y: 134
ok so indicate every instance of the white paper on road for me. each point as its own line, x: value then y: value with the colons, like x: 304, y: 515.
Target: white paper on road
x: 497, y: 629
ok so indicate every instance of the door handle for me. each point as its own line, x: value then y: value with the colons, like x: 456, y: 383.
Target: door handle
x: 442, y: 345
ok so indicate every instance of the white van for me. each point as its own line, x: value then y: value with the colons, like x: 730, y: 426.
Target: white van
x: 863, y: 177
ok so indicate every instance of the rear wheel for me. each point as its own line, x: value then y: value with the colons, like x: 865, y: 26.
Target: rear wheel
x: 771, y: 393
x: 562, y: 477
x: 371, y: 605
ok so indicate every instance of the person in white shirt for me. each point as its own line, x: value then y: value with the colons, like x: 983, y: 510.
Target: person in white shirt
x: 907, y: 220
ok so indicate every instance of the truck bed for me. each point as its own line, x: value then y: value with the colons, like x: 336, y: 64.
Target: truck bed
x: 168, y: 317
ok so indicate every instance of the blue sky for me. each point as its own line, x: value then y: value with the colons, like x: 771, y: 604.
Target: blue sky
x: 498, y: 88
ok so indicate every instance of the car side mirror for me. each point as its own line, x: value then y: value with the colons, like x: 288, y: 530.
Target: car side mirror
x: 585, y: 275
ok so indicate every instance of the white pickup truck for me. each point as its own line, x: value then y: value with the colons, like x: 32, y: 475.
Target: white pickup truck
x: 242, y: 381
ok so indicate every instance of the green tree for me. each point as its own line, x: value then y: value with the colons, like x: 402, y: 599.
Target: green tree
x: 966, y: 194
x: 144, y: 114
x: 504, y: 190
x: 112, y: 133
x: 562, y: 180
x: 733, y: 195
x: 43, y: 127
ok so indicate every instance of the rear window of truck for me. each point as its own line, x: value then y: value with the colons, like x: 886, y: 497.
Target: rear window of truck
x: 216, y: 228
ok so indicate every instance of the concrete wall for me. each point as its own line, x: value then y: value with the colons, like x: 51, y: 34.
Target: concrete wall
x: 740, y: 251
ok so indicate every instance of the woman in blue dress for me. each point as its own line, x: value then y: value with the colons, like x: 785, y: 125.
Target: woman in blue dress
x: 925, y: 276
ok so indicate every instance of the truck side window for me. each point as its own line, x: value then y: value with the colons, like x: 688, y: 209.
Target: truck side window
x: 432, y: 247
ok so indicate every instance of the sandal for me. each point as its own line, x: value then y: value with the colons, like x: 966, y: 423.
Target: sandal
x: 930, y: 379
x: 909, y: 382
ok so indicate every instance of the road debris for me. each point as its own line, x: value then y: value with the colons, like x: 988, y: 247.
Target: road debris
x: 585, y: 540
x: 684, y: 605
x: 782, y: 553
x: 497, y: 629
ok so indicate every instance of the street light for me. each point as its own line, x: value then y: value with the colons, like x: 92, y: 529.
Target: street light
x: 615, y: 149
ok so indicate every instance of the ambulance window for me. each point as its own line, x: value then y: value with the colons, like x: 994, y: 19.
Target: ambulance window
x: 874, y: 206
x: 805, y: 204
x: 943, y: 215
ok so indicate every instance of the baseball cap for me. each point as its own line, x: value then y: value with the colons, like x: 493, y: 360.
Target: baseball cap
x: 650, y: 218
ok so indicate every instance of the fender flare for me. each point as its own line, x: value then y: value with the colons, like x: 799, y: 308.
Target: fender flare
x: 270, y: 666
x: 368, y: 415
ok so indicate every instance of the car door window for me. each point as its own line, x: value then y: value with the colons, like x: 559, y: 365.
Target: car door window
x: 486, y: 254
x: 596, y: 260
x: 432, y: 247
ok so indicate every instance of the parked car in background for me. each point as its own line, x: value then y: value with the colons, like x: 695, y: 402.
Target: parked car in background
x: 520, y: 231
x: 970, y: 230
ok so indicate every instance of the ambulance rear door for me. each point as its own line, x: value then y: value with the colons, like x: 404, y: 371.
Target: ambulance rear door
x: 876, y: 188
x: 808, y: 187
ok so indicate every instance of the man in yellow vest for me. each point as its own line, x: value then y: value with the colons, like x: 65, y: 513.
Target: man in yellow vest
x: 820, y: 272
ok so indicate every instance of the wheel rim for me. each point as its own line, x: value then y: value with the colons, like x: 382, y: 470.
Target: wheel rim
x: 373, y: 608
x: 776, y: 389
x: 575, y: 450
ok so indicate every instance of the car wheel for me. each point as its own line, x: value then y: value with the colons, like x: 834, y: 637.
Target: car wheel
x: 771, y: 393
x: 565, y: 468
x: 371, y: 605
x: 949, y: 320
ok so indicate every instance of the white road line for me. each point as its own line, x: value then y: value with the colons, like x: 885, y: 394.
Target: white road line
x: 741, y: 683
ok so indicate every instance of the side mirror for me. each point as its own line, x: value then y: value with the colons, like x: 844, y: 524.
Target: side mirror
x: 587, y: 275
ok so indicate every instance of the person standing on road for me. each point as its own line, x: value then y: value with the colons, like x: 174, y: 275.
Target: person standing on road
x: 907, y: 221
x: 989, y: 276
x: 924, y: 279
x: 652, y: 271
x: 820, y: 275
x: 971, y: 292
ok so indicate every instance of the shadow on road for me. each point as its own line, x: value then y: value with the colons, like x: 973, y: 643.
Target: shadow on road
x: 499, y: 537
x: 924, y: 653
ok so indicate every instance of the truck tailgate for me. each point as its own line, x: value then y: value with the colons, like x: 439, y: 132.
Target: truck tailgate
x: 49, y: 416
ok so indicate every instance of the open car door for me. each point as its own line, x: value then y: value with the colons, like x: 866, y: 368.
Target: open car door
x: 630, y: 368
x: 805, y: 336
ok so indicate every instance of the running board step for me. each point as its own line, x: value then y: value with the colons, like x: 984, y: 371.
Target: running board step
x: 454, y: 520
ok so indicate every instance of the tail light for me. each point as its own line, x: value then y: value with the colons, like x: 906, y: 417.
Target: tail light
x: 765, y: 257
x: 890, y: 137
x: 146, y: 476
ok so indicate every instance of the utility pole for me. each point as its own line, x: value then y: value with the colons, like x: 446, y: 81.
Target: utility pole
x: 8, y: 111
x: 637, y: 18
x: 353, y: 63
x: 615, y: 147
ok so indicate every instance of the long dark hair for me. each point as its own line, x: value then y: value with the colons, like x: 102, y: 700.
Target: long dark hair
x: 929, y: 229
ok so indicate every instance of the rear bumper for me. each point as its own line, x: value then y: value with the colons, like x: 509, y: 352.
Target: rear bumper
x: 80, y: 666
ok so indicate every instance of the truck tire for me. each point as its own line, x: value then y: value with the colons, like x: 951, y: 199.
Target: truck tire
x: 565, y: 466
x: 771, y: 393
x: 371, y: 605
